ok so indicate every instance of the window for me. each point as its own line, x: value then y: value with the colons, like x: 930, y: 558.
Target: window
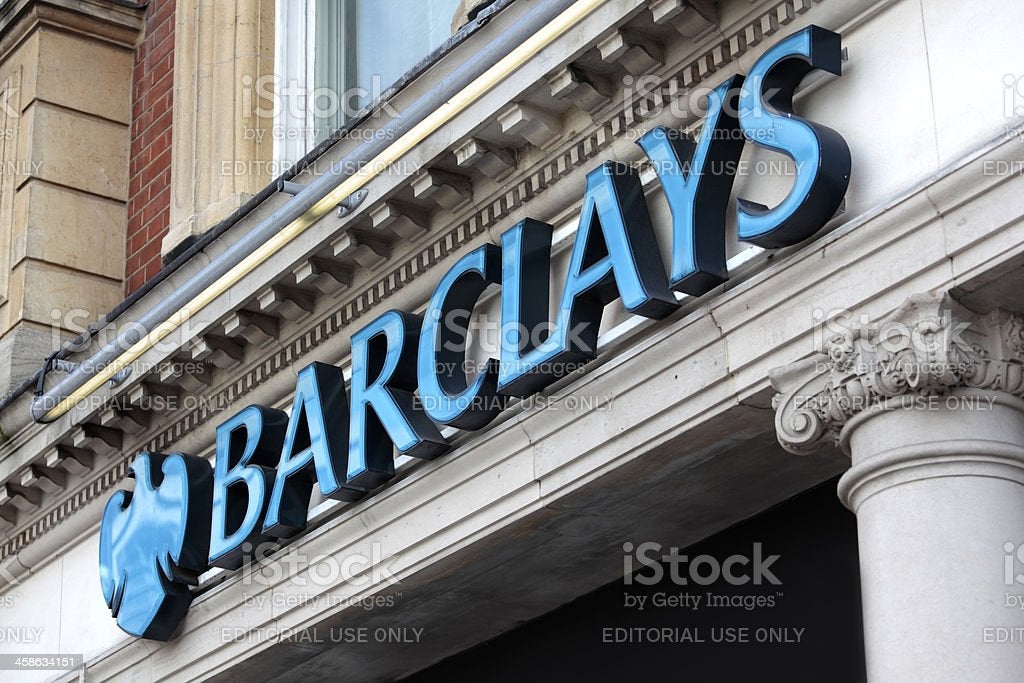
x: 335, y: 56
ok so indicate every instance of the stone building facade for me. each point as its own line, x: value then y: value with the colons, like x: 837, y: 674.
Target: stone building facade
x: 202, y: 200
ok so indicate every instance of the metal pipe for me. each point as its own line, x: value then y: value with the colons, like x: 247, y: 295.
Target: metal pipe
x: 466, y: 84
x: 188, y: 249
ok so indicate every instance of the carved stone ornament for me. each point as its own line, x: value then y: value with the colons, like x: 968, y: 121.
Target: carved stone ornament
x: 929, y: 346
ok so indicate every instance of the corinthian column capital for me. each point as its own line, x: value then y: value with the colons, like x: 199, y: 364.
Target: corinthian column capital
x: 928, y: 347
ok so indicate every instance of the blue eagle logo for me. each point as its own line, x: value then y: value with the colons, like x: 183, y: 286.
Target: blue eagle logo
x: 155, y: 541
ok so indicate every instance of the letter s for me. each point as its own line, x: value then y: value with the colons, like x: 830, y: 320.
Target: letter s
x: 821, y: 154
x: 650, y: 561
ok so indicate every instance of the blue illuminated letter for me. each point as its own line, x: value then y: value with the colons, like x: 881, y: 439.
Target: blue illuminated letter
x: 315, y: 449
x: 383, y: 411
x: 615, y: 255
x: 448, y: 397
x: 697, y: 178
x: 821, y: 155
x: 525, y: 289
x: 248, y: 447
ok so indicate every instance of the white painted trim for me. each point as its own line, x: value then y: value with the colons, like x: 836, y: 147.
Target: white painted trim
x: 294, y: 58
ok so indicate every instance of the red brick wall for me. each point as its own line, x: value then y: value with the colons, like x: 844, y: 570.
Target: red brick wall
x: 149, y: 194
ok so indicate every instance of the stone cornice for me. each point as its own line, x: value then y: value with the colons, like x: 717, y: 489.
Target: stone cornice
x: 111, y: 22
x: 927, y: 347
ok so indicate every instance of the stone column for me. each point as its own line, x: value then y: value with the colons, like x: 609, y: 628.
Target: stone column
x: 927, y: 404
x: 222, y: 153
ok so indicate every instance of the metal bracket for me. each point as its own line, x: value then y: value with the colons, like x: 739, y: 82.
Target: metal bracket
x: 347, y: 205
x: 290, y: 187
x: 352, y: 202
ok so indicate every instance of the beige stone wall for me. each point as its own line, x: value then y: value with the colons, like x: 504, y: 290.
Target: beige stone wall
x: 65, y: 112
x: 221, y: 48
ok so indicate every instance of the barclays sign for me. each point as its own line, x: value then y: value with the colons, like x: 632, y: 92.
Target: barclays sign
x: 185, y: 516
